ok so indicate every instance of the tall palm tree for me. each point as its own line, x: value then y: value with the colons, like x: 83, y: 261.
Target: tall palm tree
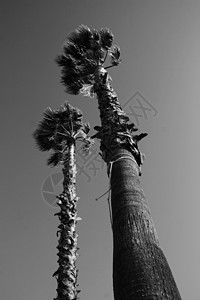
x: 58, y: 131
x: 140, y: 269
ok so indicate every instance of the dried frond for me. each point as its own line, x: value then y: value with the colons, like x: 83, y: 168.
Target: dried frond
x: 86, y: 128
x: 87, y: 143
x: 139, y: 137
x: 87, y: 90
x: 97, y: 135
x: 131, y: 127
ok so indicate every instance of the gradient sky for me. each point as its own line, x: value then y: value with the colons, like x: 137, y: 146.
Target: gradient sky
x: 160, y: 46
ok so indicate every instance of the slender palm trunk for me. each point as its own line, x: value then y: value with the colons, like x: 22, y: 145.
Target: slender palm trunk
x: 140, y: 269
x: 67, y: 245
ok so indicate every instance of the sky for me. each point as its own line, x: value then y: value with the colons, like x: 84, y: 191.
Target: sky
x: 160, y: 70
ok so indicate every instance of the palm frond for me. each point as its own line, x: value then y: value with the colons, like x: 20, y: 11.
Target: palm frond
x: 49, y: 114
x: 106, y: 37
x: 140, y: 136
x: 44, y: 134
x: 86, y: 128
x: 73, y: 50
x: 83, y: 52
x: 87, y: 90
x: 87, y: 143
x: 99, y: 130
x: 55, y: 159
x: 66, y: 60
x: 131, y: 127
x: 58, y: 130
x: 72, y: 87
x: 115, y: 56
x: 43, y: 142
x: 81, y: 36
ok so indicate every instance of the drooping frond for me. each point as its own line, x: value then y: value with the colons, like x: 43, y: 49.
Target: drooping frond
x: 84, y: 52
x: 43, y: 142
x: 55, y: 159
x: 44, y: 134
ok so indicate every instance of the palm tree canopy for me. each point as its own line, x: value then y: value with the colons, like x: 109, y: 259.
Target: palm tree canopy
x: 84, y: 53
x: 58, y: 129
x: 82, y: 71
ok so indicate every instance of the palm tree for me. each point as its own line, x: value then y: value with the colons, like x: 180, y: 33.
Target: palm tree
x: 140, y: 269
x: 58, y: 131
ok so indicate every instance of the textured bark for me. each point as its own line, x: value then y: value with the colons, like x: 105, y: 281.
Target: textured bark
x: 67, y: 245
x: 59, y: 131
x: 115, y: 132
x: 140, y: 269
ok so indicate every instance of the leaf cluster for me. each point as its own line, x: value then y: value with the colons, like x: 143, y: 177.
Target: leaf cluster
x: 58, y: 129
x: 83, y: 52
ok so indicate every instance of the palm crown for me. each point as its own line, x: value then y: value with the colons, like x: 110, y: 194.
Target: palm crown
x: 82, y: 71
x: 84, y: 53
x: 60, y: 128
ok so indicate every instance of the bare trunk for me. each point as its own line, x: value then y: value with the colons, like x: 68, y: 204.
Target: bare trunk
x: 140, y: 269
x: 67, y: 245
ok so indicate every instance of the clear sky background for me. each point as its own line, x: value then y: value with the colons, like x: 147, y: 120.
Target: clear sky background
x: 160, y: 46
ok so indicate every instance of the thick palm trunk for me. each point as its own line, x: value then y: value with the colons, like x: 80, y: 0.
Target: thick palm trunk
x: 140, y: 269
x: 67, y: 245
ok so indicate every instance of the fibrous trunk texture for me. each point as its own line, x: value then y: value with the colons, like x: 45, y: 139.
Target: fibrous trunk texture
x: 140, y: 269
x: 67, y: 244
